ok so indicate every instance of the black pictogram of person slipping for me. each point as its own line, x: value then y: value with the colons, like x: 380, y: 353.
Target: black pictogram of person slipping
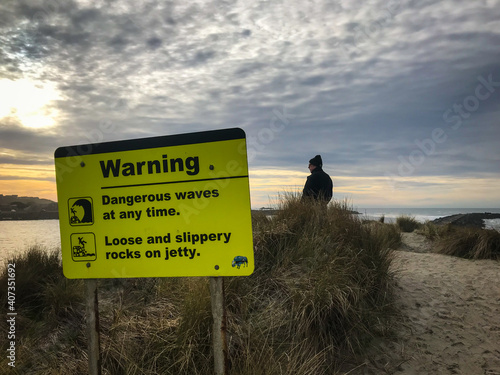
x: 79, y: 250
x: 81, y: 241
x: 87, y: 212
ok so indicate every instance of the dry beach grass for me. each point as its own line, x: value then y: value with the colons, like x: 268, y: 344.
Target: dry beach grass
x: 320, y: 292
x: 328, y: 297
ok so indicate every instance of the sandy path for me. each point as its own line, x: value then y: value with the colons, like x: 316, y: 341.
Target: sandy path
x: 451, y: 315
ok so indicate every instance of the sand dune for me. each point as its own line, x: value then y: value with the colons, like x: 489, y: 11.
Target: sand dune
x: 451, y: 315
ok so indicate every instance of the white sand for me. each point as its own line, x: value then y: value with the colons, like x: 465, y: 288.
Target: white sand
x: 451, y: 315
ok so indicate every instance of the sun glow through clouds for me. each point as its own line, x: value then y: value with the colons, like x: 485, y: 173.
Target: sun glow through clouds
x: 29, y: 102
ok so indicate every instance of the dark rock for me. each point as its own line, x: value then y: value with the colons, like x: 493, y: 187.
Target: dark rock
x: 475, y: 220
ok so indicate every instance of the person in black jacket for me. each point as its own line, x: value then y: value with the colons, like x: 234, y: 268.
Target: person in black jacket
x: 319, y: 185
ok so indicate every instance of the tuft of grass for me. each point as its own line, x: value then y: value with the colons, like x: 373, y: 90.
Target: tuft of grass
x: 42, y: 291
x: 49, y: 325
x: 435, y: 232
x: 321, y: 291
x: 470, y: 243
x: 326, y: 276
x: 429, y: 230
x: 407, y: 223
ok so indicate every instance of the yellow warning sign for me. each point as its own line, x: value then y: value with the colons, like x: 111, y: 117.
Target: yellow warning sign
x: 156, y: 207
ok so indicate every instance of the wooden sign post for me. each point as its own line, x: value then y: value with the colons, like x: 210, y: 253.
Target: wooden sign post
x: 92, y: 314
x: 219, y: 325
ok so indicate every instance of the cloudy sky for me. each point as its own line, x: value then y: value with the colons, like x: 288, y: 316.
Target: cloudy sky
x: 401, y: 98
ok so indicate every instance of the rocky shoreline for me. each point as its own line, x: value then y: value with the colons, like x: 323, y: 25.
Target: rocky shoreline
x: 39, y: 215
x: 15, y: 207
x: 475, y: 220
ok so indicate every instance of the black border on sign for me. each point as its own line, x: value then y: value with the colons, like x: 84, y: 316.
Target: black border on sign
x: 151, y: 142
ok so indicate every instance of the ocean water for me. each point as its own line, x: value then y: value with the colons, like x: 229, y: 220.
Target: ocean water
x: 425, y: 214
x: 16, y: 236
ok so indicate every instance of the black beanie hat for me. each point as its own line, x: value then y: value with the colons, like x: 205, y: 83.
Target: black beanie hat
x: 316, y: 161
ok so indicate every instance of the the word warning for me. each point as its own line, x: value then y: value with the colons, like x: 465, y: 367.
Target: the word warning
x: 156, y: 207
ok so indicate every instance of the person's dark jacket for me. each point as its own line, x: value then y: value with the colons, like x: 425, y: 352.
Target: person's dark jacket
x: 318, y: 186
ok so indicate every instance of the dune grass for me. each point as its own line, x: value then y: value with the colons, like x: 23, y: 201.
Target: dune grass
x: 464, y: 242
x: 407, y: 223
x: 429, y: 230
x: 320, y: 292
x: 434, y: 232
x: 470, y: 243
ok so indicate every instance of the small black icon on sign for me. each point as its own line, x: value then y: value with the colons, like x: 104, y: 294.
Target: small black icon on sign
x: 81, y: 211
x: 83, y: 247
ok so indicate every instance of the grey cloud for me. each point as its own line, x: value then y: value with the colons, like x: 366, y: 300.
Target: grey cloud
x: 313, y: 81
x: 83, y: 88
x: 64, y: 37
x: 118, y: 43
x: 247, y: 68
x: 201, y: 57
x: 9, y: 67
x: 29, y: 160
x: 40, y: 10
x: 154, y: 42
x: 19, y: 139
x: 171, y: 68
x: 83, y: 17
x: 11, y: 177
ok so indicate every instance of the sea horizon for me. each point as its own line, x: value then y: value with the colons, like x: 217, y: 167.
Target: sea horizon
x: 423, y: 214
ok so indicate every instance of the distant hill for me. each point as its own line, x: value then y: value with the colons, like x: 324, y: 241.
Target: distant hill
x: 15, y: 207
x: 9, y: 199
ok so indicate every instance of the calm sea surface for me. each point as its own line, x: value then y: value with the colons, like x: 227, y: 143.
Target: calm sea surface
x: 17, y: 236
x: 424, y: 214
